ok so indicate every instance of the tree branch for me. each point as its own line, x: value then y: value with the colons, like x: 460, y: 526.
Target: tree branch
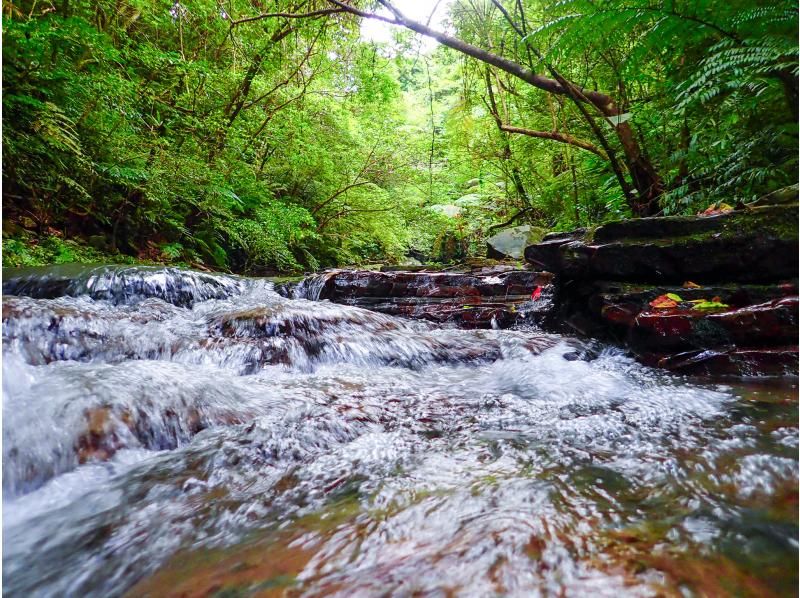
x: 355, y: 183
x: 510, y: 220
x: 344, y: 189
x: 289, y: 15
x: 601, y: 100
x: 556, y: 136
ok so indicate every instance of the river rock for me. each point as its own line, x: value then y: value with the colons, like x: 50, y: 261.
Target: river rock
x: 777, y: 361
x: 497, y: 296
x: 755, y: 320
x: 746, y: 260
x: 472, y: 183
x: 752, y: 245
x: 511, y: 242
x: 120, y: 284
x: 766, y: 324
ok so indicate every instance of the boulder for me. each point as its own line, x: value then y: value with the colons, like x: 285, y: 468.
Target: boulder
x: 511, y: 242
x: 773, y: 323
x: 472, y: 183
x: 470, y: 200
x: 743, y: 264
x: 449, y: 210
x: 752, y: 245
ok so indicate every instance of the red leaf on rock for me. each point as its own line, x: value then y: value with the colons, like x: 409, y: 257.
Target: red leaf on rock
x: 537, y: 292
x: 663, y: 302
x: 716, y: 209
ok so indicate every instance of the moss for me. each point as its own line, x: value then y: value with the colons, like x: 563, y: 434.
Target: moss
x: 286, y: 279
x: 780, y: 222
x: 708, y: 333
x: 588, y: 236
x: 26, y: 250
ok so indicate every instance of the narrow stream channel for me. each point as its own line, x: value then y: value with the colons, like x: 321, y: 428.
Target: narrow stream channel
x: 170, y: 433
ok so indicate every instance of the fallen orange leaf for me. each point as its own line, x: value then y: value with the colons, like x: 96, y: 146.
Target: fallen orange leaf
x: 717, y: 208
x: 663, y: 302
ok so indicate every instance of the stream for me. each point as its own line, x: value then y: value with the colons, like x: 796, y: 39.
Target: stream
x: 177, y: 433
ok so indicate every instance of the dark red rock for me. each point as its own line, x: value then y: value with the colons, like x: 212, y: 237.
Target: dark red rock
x: 772, y: 323
x: 748, y: 259
x: 605, y: 294
x: 774, y: 361
x: 478, y: 299
x: 621, y: 314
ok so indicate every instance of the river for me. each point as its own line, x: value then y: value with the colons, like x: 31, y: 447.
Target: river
x: 175, y: 433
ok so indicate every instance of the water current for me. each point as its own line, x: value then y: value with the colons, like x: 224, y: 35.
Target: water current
x: 174, y: 433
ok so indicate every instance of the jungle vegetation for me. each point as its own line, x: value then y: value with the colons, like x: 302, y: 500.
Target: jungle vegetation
x: 270, y: 135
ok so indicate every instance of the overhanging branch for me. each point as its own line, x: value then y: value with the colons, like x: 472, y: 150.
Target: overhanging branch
x: 289, y: 15
x: 556, y: 136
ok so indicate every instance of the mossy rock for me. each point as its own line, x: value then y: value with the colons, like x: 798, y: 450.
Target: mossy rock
x: 752, y: 245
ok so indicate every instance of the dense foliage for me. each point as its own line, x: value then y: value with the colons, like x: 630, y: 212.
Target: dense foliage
x: 205, y: 132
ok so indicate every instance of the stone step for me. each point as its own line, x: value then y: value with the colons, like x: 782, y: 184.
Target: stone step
x: 496, y: 297
x: 752, y: 245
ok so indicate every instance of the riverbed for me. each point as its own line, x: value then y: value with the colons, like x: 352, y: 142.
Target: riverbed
x: 175, y: 433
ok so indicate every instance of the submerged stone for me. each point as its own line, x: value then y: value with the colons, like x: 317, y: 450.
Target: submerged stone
x: 120, y: 284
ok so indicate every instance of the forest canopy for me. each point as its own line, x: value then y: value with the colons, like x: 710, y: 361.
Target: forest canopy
x: 271, y: 135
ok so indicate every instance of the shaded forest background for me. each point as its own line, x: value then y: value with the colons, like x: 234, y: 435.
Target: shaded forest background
x: 233, y: 135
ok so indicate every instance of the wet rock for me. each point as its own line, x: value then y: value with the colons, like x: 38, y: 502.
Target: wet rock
x: 280, y: 320
x: 778, y: 361
x: 67, y: 329
x: 608, y: 294
x: 439, y: 285
x: 787, y: 195
x: 333, y: 333
x: 294, y: 334
x: 745, y: 260
x: 109, y: 430
x: 752, y: 245
x: 765, y: 324
x: 740, y: 336
x: 58, y: 330
x: 120, y: 284
x: 488, y: 297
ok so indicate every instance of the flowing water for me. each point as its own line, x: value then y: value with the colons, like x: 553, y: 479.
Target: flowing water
x: 169, y: 433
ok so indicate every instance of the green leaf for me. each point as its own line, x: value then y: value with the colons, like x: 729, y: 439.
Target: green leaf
x: 702, y: 305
